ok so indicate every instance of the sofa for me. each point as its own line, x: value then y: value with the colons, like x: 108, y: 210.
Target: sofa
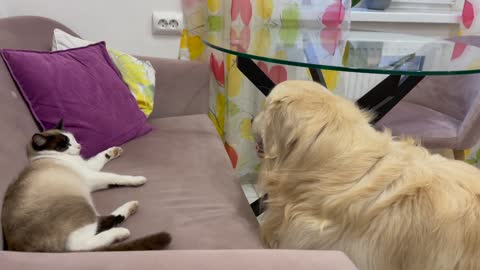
x: 192, y: 190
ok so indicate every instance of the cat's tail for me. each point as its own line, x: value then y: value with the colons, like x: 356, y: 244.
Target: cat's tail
x: 156, y: 241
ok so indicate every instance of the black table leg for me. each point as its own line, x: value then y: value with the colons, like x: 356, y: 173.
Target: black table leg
x: 255, y: 75
x: 381, y: 99
x: 317, y: 76
x: 258, y: 207
x: 379, y: 93
x: 406, y: 85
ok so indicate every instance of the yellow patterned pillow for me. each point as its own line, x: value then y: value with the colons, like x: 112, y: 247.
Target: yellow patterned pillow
x: 138, y: 75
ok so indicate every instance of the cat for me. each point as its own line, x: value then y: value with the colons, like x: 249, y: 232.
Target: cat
x: 49, y: 207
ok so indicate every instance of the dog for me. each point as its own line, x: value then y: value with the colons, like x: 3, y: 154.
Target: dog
x: 335, y: 182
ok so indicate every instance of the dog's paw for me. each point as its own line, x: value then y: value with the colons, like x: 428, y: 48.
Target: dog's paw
x: 113, y: 152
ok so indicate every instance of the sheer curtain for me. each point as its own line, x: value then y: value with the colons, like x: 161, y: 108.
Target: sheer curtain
x: 234, y: 101
x: 469, y: 26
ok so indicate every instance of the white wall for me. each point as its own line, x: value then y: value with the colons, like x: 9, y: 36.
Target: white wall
x: 123, y: 24
x: 3, y: 8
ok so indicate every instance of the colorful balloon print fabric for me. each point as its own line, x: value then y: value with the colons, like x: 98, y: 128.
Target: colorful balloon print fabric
x: 470, y: 25
x: 234, y: 101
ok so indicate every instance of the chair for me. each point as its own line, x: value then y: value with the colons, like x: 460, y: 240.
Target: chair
x: 442, y: 111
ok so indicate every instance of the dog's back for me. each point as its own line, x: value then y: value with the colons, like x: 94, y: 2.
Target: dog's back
x: 336, y: 183
x: 428, y: 218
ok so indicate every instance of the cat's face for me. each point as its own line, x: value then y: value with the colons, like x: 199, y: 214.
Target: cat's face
x: 56, y: 140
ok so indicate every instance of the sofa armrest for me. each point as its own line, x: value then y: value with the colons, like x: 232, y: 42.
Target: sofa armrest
x: 179, y: 260
x: 181, y: 87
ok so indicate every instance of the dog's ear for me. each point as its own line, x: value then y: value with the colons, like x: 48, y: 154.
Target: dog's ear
x: 282, y: 127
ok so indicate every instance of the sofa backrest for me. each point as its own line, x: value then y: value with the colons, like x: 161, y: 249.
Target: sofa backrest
x: 17, y: 124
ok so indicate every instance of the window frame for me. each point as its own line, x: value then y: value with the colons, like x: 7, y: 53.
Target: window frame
x: 431, y: 5
x: 413, y: 11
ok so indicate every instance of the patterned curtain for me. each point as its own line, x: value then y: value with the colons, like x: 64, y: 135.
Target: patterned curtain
x: 234, y: 101
x: 469, y: 25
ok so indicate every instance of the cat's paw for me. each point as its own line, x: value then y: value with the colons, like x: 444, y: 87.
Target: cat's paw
x: 131, y: 207
x: 136, y: 181
x: 127, y: 209
x: 113, y: 152
x: 120, y: 234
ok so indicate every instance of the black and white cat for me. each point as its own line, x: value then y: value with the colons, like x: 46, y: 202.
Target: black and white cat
x: 49, y: 207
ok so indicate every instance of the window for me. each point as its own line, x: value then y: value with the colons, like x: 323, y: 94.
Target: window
x: 421, y: 17
x: 413, y: 11
x: 432, y: 5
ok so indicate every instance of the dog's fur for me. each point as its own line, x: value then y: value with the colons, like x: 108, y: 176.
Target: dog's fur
x: 334, y: 182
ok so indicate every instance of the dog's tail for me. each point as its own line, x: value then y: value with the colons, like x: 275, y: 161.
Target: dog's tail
x: 156, y: 241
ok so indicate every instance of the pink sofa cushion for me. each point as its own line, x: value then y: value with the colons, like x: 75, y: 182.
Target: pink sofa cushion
x: 192, y: 190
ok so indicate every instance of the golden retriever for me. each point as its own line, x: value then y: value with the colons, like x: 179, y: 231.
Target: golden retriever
x: 334, y: 182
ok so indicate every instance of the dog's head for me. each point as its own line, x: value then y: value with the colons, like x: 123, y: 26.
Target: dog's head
x: 258, y: 130
x: 303, y: 121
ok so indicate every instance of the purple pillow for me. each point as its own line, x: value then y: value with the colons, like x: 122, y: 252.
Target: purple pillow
x: 83, y: 87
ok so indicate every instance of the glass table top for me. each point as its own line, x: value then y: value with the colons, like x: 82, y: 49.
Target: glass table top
x: 354, y: 51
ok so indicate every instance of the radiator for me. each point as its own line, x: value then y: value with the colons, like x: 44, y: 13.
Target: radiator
x: 354, y: 85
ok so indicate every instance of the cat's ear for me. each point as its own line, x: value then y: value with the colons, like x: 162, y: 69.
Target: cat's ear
x: 38, y: 141
x: 59, y: 125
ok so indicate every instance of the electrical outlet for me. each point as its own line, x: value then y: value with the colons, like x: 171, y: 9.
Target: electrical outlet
x: 167, y: 23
